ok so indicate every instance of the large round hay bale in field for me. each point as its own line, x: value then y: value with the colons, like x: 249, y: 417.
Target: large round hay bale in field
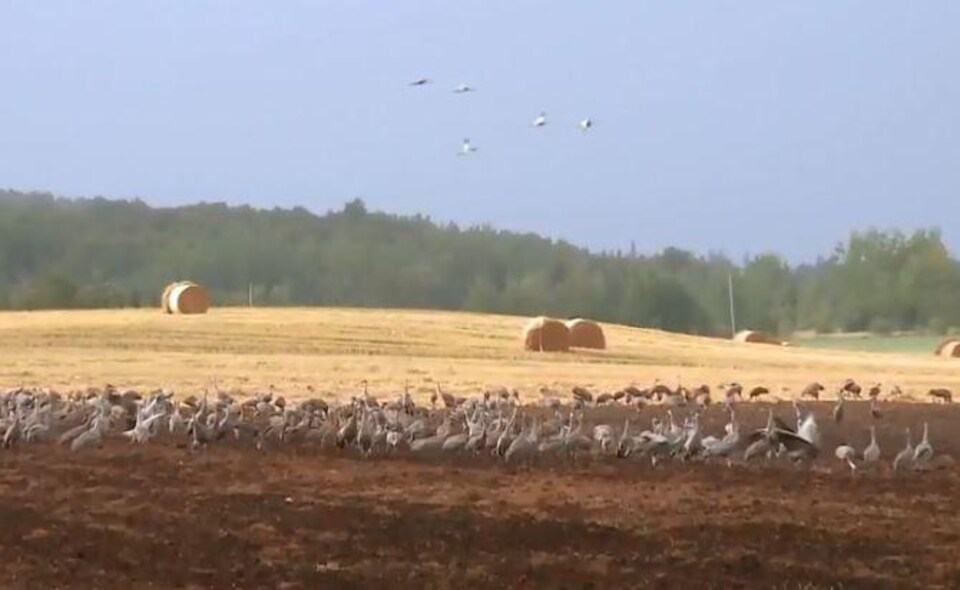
x: 165, y: 298
x: 544, y: 334
x: 949, y: 348
x: 586, y: 334
x: 185, y: 297
x: 753, y: 337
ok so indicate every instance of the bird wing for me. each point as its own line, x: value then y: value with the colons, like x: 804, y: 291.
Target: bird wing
x: 782, y: 426
x: 794, y: 442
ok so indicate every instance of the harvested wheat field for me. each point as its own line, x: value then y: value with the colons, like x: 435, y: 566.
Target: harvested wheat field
x: 227, y: 516
x: 334, y: 349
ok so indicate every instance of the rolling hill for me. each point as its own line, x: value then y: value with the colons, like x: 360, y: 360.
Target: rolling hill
x: 334, y: 349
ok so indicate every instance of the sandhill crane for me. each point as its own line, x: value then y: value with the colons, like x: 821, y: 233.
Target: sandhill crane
x: 477, y: 441
x: 757, y: 392
x: 36, y: 432
x: 365, y: 432
x: 838, y: 408
x: 421, y: 82
x: 605, y: 398
x: 807, y: 428
x: 582, y: 394
x: 74, y: 432
x: 466, y: 148
x: 554, y: 444
x: 652, y: 443
x: 430, y: 444
x: 348, y: 432
x: 202, y: 433
x: 852, y: 387
x: 874, y: 392
x: 603, y: 435
x: 943, y: 394
x: 455, y: 442
x: 624, y: 445
x: 540, y: 120
x: 12, y: 432
x: 464, y: 88
x: 812, y: 390
x: 875, y: 412
x: 692, y: 444
x: 799, y: 445
x: 574, y: 439
x: 394, y: 439
x: 733, y: 391
x: 871, y: 455
x: 505, y: 439
x: 924, y: 451
x: 701, y: 395
x: 633, y: 392
x: 758, y: 448
x: 762, y: 440
x: 676, y: 398
x: 525, y: 445
x: 847, y: 453
x: 726, y: 445
x: 449, y: 400
x: 586, y: 124
x: 141, y: 432
x: 90, y: 437
x: 905, y: 457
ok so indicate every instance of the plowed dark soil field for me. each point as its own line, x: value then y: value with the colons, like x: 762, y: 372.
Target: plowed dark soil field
x: 228, y: 516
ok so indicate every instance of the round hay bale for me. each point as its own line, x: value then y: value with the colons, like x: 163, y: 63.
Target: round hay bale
x: 188, y: 298
x: 951, y: 349
x: 544, y: 334
x: 586, y: 334
x: 165, y: 298
x: 753, y: 337
x: 942, y: 347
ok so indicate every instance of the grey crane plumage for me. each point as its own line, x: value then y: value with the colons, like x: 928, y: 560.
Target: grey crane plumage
x: 847, y: 454
x: 871, y: 454
x: 838, y: 409
x: 905, y: 457
x: 91, y: 437
x: 924, y: 451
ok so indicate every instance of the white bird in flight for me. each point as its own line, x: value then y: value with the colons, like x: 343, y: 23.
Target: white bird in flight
x: 586, y: 124
x: 540, y: 121
x: 467, y: 148
x: 463, y: 88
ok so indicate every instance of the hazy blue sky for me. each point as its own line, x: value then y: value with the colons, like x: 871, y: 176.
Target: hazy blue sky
x: 738, y: 126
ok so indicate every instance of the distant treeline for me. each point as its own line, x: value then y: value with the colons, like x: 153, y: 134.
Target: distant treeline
x: 59, y: 253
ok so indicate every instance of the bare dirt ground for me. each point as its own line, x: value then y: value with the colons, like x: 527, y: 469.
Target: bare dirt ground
x: 163, y: 516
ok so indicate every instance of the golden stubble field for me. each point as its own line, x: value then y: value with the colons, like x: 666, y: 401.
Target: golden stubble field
x: 334, y: 349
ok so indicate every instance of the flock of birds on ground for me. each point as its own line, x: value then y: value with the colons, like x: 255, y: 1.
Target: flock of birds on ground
x: 467, y: 147
x: 495, y: 422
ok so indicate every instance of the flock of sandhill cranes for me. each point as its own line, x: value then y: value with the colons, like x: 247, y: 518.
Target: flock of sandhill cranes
x: 467, y: 147
x: 495, y: 423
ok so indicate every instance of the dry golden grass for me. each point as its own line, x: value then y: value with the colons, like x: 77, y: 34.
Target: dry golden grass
x: 334, y: 349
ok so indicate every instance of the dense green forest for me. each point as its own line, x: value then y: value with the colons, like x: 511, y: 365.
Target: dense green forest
x: 59, y: 253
